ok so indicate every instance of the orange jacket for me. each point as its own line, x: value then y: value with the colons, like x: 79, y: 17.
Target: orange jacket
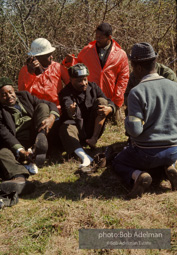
x: 46, y: 85
x: 113, y: 78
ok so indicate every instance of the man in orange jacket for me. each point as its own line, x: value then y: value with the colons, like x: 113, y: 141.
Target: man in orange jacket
x: 41, y: 76
x: 107, y: 64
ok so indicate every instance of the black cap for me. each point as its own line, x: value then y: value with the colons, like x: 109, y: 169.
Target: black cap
x: 142, y: 52
x: 78, y: 70
x: 5, y: 81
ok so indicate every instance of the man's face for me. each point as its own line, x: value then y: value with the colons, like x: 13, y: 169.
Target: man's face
x: 102, y: 40
x: 45, y: 60
x: 80, y: 83
x: 7, y: 95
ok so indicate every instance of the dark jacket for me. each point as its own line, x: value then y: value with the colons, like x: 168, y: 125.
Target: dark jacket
x: 7, y: 125
x: 68, y: 95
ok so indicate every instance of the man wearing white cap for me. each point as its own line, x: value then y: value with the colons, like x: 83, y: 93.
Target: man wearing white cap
x: 41, y: 76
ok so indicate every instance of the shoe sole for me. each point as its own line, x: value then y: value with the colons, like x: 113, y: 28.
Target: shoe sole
x: 140, y: 187
x: 40, y: 160
x: 172, y: 176
x: 41, y: 147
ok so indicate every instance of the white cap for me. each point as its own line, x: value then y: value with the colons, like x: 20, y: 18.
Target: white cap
x: 40, y: 46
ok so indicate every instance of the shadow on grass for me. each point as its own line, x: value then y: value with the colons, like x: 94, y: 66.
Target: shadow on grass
x: 104, y: 184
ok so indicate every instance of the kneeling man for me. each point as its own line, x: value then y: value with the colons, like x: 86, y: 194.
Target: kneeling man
x: 151, y: 124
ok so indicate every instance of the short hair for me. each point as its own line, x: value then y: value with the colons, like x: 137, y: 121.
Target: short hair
x: 148, y: 65
x: 105, y: 28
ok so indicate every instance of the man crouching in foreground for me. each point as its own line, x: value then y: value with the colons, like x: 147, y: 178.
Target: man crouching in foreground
x: 151, y: 124
x: 84, y: 111
x: 25, y: 121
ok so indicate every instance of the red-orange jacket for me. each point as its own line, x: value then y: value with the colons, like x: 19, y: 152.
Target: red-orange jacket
x: 113, y: 78
x: 46, y: 85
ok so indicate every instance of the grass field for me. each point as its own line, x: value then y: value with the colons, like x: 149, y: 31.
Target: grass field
x: 48, y: 221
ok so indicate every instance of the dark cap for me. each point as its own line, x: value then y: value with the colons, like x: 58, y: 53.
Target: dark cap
x: 78, y: 70
x: 5, y: 81
x: 142, y: 52
x: 105, y: 28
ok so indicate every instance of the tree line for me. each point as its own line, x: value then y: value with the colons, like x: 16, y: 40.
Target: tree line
x: 70, y: 25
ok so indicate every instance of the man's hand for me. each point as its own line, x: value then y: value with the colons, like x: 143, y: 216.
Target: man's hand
x: 32, y: 64
x: 71, y: 110
x: 25, y: 156
x: 47, y: 123
x: 68, y: 58
x: 104, y: 110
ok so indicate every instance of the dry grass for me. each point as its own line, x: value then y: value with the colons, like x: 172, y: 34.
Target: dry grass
x: 47, y: 222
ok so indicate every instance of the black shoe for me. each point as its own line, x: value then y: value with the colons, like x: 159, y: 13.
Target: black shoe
x: 171, y: 173
x: 40, y: 149
x: 109, y: 154
x: 142, y: 183
x: 8, y: 199
x: 18, y: 184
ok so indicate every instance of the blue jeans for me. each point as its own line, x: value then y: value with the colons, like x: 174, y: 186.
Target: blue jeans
x: 134, y: 158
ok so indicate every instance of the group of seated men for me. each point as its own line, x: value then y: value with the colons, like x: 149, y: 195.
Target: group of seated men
x: 76, y: 117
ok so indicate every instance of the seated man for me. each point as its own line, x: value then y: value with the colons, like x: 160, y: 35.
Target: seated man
x: 25, y: 121
x: 84, y: 111
x: 41, y: 76
x: 151, y: 124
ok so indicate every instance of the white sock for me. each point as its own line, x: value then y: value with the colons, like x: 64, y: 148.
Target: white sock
x: 86, y: 159
x: 135, y: 174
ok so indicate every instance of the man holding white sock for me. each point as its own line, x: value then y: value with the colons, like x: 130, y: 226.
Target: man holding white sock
x: 84, y: 111
x: 151, y: 124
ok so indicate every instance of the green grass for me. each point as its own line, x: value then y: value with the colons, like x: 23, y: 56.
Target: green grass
x: 48, y: 221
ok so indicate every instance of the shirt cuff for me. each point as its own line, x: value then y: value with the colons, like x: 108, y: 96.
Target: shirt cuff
x: 55, y: 113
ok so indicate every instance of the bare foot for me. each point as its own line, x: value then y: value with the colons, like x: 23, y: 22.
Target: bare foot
x: 92, y: 142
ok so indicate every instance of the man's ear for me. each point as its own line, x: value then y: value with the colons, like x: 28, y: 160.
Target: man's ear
x: 139, y: 67
x: 110, y: 37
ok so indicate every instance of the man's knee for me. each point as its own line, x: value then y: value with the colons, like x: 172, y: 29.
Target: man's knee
x: 68, y: 130
x: 42, y: 108
x: 41, y: 112
x: 6, y: 153
x: 100, y: 101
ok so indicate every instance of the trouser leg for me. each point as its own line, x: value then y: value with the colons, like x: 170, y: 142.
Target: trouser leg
x: 41, y: 112
x: 69, y: 136
x: 89, y: 127
x: 9, y: 166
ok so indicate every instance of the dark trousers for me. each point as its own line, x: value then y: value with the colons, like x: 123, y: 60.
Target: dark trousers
x: 151, y: 160
x: 71, y: 136
x: 9, y: 166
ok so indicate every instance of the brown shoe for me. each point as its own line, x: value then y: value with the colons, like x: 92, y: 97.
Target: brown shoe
x: 100, y: 160
x: 171, y: 173
x: 18, y: 184
x: 142, y: 183
x: 92, y: 168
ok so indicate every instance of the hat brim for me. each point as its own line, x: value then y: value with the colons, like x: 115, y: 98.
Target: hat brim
x: 41, y: 53
x: 141, y: 59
